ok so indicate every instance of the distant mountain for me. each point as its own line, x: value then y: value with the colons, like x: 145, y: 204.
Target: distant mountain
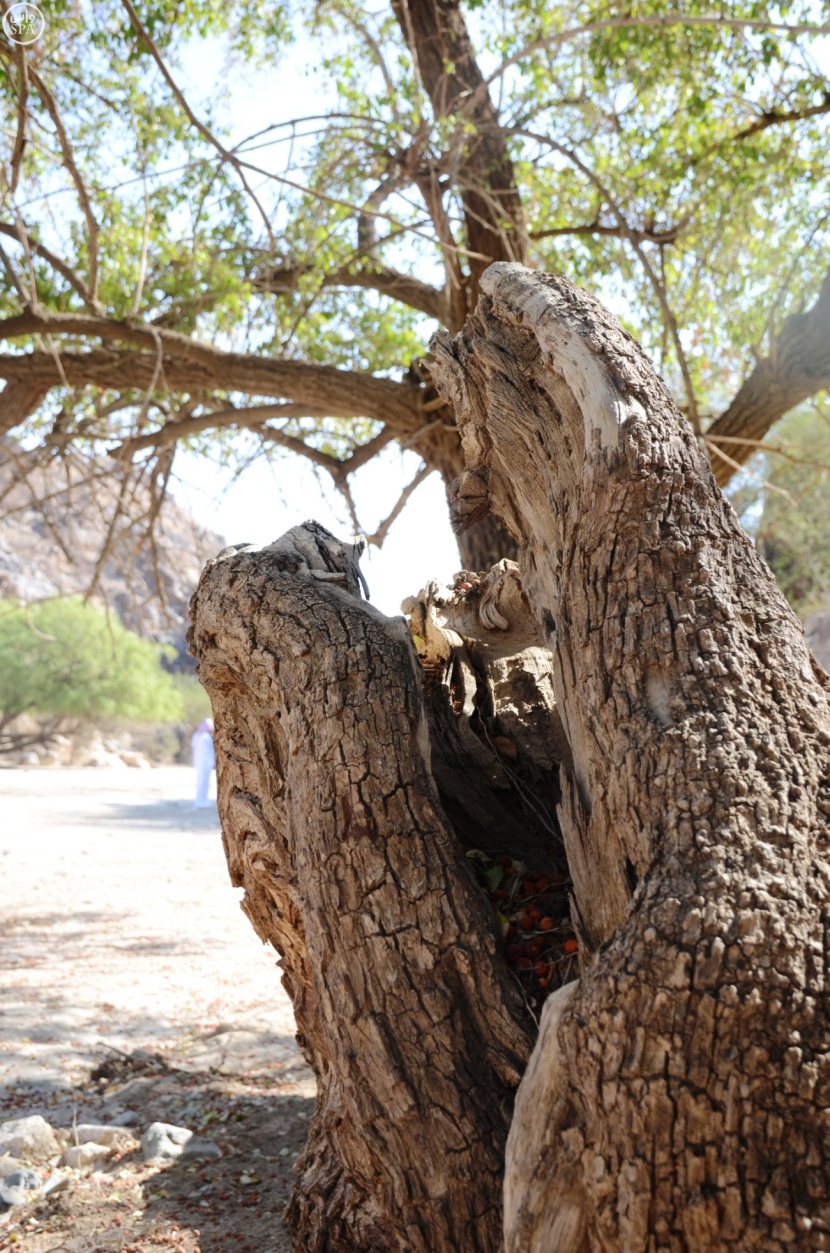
x: 57, y: 537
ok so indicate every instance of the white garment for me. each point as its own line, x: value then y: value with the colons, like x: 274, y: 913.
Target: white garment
x: 204, y: 759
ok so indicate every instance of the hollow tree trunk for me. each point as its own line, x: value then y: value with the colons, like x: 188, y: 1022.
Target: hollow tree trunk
x: 333, y: 825
x: 679, y: 1095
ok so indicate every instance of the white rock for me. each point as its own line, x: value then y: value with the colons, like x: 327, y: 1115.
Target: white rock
x: 84, y: 1156
x: 31, y: 1139
x: 163, y: 1140
x: 102, y: 1133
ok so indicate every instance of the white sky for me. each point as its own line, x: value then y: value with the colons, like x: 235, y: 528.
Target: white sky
x: 268, y: 499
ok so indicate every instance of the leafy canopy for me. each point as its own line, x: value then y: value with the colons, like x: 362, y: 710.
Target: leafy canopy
x: 679, y: 164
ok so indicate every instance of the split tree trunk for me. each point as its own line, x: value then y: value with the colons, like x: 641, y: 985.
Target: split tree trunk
x: 679, y: 1095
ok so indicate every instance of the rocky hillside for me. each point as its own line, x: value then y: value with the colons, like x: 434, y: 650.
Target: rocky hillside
x: 57, y: 538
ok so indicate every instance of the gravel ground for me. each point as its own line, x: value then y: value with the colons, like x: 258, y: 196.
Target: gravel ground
x: 121, y: 932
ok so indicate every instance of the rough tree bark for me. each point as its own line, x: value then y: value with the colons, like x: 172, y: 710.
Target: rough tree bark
x: 333, y: 825
x: 679, y: 1094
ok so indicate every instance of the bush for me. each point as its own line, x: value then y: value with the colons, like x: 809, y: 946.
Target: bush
x: 70, y: 660
x: 194, y: 698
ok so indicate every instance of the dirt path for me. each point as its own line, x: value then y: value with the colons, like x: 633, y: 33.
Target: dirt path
x: 120, y: 931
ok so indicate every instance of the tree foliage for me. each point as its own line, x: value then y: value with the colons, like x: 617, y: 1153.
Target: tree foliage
x: 675, y: 161
x: 71, y: 660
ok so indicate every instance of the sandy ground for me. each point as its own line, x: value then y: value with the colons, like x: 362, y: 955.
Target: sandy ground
x: 119, y: 930
x: 120, y: 927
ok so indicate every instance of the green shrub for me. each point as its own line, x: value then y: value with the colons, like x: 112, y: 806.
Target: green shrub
x: 68, y: 659
x: 194, y: 698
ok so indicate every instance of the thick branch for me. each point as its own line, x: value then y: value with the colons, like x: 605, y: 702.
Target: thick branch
x: 17, y: 401
x: 668, y: 236
x: 797, y: 368
x: 190, y: 366
x: 398, y: 286
x: 331, y: 823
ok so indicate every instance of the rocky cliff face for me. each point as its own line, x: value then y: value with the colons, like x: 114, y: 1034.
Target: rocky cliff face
x: 57, y: 538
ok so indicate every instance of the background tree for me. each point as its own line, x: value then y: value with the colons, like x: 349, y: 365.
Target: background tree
x: 167, y: 280
x: 70, y: 661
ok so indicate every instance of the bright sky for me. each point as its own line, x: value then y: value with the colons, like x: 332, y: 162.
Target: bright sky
x: 267, y: 499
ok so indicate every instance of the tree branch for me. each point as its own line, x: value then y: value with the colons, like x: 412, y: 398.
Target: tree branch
x: 191, y: 366
x: 775, y: 117
x: 250, y: 418
x: 668, y: 236
x: 38, y: 249
x: 798, y: 366
x: 393, y: 283
x: 194, y: 121
x: 379, y: 535
x: 75, y: 174
x: 20, y: 137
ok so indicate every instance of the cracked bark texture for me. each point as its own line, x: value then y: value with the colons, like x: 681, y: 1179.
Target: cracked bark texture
x: 679, y: 1094
x: 332, y: 824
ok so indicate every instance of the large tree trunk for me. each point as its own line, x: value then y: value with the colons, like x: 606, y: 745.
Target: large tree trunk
x: 679, y: 1095
x: 333, y: 825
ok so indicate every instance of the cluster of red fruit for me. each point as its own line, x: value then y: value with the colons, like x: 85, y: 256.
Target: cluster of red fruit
x: 534, y: 915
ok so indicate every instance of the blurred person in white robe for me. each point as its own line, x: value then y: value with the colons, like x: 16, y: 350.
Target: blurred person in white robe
x: 204, y: 761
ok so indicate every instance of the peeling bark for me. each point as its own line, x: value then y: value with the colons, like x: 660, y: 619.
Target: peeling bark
x: 332, y: 824
x: 679, y: 1096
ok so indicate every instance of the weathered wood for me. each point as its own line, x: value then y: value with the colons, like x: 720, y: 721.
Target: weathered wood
x: 332, y: 824
x: 679, y: 1096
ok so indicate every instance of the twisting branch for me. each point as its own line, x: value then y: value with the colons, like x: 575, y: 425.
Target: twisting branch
x: 37, y: 249
x: 83, y: 195
x: 20, y: 137
x: 203, y: 130
x: 380, y: 533
x: 251, y: 418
